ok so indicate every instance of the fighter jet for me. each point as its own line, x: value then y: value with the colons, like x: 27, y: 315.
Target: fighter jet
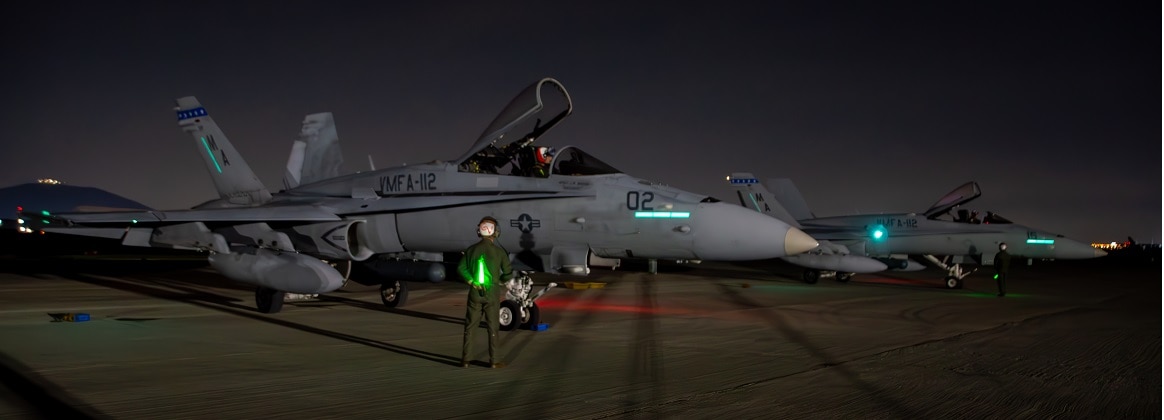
x: 874, y: 242
x: 556, y: 210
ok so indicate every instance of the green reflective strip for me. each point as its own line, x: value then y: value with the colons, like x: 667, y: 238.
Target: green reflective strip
x: 1041, y: 241
x: 753, y: 197
x: 662, y: 214
x: 211, y: 154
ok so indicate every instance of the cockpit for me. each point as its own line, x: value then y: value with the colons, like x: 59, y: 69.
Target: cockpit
x: 508, y: 145
x: 973, y: 217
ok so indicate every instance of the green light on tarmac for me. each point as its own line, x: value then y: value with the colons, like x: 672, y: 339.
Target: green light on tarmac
x: 134, y: 220
x: 1041, y: 241
x: 662, y: 214
x: 44, y: 212
x: 211, y: 154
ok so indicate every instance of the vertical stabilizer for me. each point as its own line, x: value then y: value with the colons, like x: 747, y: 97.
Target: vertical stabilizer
x: 316, y: 156
x: 754, y: 195
x: 789, y: 196
x: 294, y: 165
x: 233, y: 179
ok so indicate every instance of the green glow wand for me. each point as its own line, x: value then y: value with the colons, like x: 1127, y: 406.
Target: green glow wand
x: 481, y: 273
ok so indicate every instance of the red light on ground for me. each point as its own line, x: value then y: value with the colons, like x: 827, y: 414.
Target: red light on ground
x: 18, y: 208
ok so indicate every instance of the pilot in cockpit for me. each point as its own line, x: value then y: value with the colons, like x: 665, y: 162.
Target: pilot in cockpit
x: 541, y: 161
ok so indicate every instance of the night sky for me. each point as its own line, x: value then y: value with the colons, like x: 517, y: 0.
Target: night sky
x: 1052, y: 107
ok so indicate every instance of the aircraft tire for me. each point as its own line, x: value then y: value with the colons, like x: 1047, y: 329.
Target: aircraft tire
x: 811, y: 276
x: 533, y: 318
x: 509, y: 317
x: 393, y: 293
x: 269, y: 301
x: 844, y: 277
x: 953, y: 282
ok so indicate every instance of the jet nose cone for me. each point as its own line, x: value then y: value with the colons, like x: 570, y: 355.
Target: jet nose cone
x: 1068, y: 249
x: 796, y: 241
x: 723, y: 232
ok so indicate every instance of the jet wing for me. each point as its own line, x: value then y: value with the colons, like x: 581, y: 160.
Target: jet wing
x: 961, y: 195
x: 317, y: 211
x: 300, y: 213
x: 847, y: 233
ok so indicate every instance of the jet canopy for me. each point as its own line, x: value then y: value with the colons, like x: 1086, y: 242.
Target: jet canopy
x: 572, y: 161
x: 959, y: 196
x: 530, y: 114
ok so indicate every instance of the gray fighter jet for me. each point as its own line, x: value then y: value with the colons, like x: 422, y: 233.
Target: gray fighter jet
x: 556, y: 211
x: 874, y: 242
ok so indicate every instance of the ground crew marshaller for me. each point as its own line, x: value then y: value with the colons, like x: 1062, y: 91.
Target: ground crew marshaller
x: 485, y: 266
x: 1001, y: 267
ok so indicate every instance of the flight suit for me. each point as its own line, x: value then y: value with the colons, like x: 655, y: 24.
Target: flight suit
x: 1001, y: 267
x: 484, y: 291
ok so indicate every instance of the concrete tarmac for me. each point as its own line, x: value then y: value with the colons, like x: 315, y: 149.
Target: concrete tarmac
x: 1074, y: 339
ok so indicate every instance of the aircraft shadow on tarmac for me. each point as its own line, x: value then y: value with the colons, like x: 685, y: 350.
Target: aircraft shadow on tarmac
x: 381, y: 308
x: 44, y: 398
x: 227, y: 305
x: 772, y: 317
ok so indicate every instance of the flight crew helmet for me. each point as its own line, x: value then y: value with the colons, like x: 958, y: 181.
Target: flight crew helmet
x: 487, y: 227
x: 1002, y: 246
x: 544, y: 154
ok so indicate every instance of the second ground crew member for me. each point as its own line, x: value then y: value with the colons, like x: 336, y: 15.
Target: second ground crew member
x: 485, y: 266
x: 1001, y: 267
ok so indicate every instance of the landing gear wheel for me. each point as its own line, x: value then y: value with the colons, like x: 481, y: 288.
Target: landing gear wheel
x: 269, y: 301
x: 811, y: 276
x: 844, y: 277
x: 532, y: 317
x: 510, y: 315
x: 393, y: 293
x: 953, y: 282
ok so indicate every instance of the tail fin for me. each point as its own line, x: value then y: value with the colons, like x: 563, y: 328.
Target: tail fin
x: 789, y: 196
x: 235, y: 181
x: 316, y: 156
x: 754, y: 195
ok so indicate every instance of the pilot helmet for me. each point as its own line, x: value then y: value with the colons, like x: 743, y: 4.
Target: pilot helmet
x: 544, y: 154
x: 487, y: 227
x: 1002, y: 246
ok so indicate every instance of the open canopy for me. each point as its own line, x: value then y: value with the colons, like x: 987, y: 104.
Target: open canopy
x: 533, y: 112
x: 959, y: 196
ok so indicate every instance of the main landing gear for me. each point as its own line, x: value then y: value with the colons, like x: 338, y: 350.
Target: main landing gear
x: 519, y: 309
x: 393, y: 293
x: 269, y: 301
x: 811, y: 276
